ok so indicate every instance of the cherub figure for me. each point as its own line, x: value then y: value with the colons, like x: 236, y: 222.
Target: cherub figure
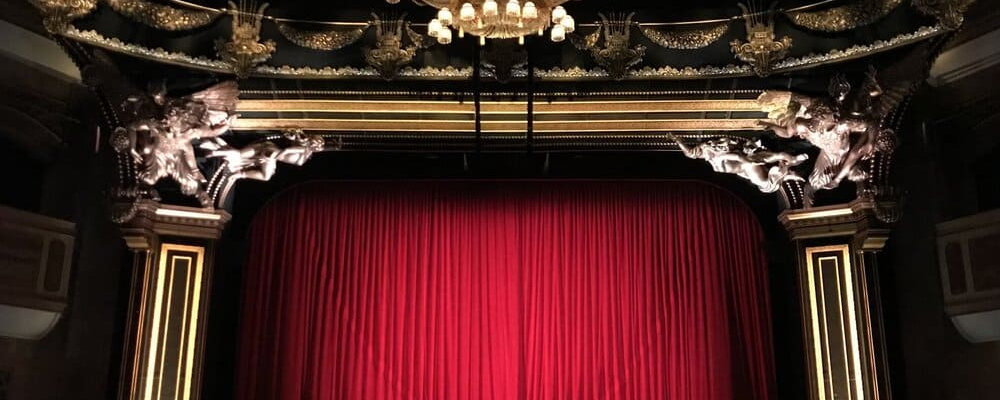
x: 843, y: 138
x: 259, y: 160
x: 749, y: 160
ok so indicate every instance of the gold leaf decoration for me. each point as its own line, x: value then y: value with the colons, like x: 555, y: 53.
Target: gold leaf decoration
x: 685, y: 38
x: 328, y: 39
x: 244, y: 50
x: 57, y: 15
x: 845, y: 17
x: 161, y: 16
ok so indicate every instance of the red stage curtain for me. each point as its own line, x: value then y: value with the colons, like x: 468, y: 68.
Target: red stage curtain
x: 505, y: 291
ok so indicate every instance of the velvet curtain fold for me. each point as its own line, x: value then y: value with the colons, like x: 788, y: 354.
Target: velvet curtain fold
x: 505, y: 291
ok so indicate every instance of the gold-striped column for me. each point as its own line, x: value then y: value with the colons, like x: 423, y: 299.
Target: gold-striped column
x: 173, y: 247
x: 841, y: 311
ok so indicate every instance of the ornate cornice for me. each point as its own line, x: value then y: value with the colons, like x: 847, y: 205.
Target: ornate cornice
x: 153, y: 219
x: 576, y: 73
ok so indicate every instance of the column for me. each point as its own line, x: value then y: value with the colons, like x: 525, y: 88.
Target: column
x: 165, y: 336
x: 841, y: 310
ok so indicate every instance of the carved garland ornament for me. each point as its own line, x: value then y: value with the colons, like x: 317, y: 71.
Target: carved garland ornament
x: 328, y: 39
x: 161, y: 16
x: 685, y: 38
x: 616, y: 56
x: 845, y: 17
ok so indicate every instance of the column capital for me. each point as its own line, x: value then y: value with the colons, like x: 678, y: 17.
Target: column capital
x: 856, y: 219
x: 153, y: 219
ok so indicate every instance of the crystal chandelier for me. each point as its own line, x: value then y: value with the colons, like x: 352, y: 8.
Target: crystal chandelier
x: 488, y: 19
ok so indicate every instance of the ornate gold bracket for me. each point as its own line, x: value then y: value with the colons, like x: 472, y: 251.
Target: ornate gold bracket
x: 244, y: 50
x: 762, y: 50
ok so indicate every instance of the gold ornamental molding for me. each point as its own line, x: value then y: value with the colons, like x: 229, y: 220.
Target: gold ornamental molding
x: 94, y: 38
x: 685, y: 38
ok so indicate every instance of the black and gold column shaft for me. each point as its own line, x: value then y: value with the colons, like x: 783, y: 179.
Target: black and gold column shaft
x: 841, y: 310
x: 173, y: 247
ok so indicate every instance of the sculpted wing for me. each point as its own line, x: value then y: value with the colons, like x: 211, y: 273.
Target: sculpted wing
x: 126, y: 99
x: 219, y: 97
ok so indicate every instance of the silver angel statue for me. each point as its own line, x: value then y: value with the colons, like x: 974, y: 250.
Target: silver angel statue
x: 844, y: 139
x: 749, y: 160
x: 259, y: 160
x: 850, y: 126
x: 161, y: 139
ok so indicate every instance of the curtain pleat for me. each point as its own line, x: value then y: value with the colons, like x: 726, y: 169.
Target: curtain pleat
x: 505, y: 291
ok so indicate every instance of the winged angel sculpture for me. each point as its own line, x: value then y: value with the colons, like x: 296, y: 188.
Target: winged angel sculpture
x: 159, y: 132
x: 849, y: 126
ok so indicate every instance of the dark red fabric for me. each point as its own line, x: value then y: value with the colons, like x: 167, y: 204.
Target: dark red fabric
x: 505, y: 291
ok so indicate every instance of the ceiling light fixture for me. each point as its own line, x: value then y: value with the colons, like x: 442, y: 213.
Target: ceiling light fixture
x: 506, y: 19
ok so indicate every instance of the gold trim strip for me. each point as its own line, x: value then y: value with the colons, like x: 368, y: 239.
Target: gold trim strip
x: 853, y: 373
x: 401, y: 125
x: 157, y: 350
x: 516, y: 107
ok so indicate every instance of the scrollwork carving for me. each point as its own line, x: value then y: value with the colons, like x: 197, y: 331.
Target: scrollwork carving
x: 616, y: 56
x: 389, y: 54
x: 161, y: 16
x: 844, y: 17
x: 329, y: 39
x: 685, y: 38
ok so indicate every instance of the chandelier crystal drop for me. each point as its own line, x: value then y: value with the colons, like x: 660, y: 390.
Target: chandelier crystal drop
x: 499, y: 19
